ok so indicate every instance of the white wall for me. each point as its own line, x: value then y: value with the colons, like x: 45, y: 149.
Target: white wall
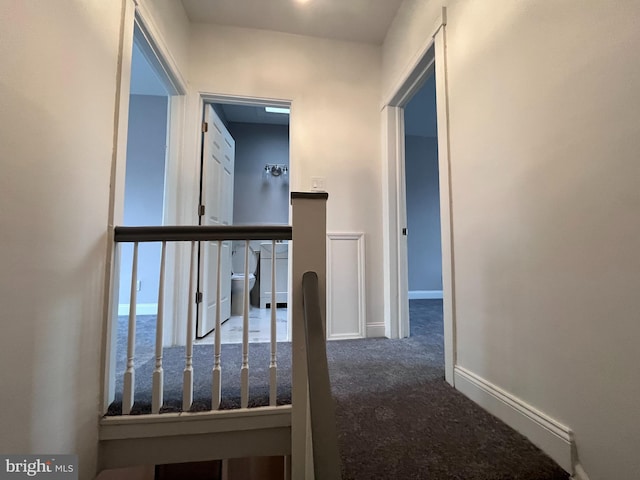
x: 335, y: 118
x: 545, y: 130
x: 57, y: 91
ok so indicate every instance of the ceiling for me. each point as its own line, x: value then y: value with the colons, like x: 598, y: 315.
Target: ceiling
x: 352, y: 20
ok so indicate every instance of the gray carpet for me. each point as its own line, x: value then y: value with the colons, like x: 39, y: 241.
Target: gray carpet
x: 397, y: 418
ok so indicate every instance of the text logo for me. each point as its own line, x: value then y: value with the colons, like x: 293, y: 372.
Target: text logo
x: 53, y: 467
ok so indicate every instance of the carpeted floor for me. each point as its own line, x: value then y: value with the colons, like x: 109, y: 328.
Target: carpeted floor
x: 397, y: 418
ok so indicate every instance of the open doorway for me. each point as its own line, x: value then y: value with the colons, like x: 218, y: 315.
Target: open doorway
x: 149, y: 186
x: 430, y: 62
x: 149, y: 113
x: 244, y: 181
x: 424, y: 251
x: 146, y: 171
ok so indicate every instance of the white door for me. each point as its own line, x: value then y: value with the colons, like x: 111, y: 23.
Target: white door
x: 218, y: 152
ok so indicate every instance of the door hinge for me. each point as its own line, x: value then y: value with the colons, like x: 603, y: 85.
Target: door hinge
x: 205, y: 127
x: 201, y: 210
x: 198, y: 297
x: 404, y: 232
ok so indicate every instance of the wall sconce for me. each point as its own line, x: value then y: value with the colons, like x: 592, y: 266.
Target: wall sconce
x: 275, y: 170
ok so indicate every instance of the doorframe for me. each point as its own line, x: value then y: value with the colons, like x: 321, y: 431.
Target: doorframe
x: 197, y: 101
x: 134, y: 14
x: 431, y: 59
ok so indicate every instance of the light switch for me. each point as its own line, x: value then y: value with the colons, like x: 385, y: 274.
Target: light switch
x: 318, y: 184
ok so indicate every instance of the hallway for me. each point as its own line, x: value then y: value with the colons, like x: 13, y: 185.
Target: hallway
x: 398, y: 419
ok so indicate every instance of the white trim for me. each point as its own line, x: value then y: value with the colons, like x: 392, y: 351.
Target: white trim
x: 359, y: 239
x: 425, y: 294
x: 392, y: 149
x: 149, y: 28
x: 446, y: 208
x: 412, y: 72
x: 182, y: 423
x: 130, y: 440
x: 141, y: 309
x: 246, y: 100
x: 553, y: 438
x: 375, y: 330
x: 116, y: 202
x: 171, y: 211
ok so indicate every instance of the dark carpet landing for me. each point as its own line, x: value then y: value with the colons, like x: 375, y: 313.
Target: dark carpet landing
x: 397, y: 418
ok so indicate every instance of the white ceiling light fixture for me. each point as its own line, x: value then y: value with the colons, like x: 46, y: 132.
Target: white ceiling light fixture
x: 283, y: 110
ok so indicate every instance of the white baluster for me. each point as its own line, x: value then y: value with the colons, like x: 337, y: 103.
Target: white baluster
x: 273, y: 367
x: 216, y: 388
x: 158, y: 374
x: 244, y: 371
x: 130, y: 373
x: 187, y: 380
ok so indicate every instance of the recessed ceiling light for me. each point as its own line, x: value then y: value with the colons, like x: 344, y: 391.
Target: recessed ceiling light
x: 284, y: 110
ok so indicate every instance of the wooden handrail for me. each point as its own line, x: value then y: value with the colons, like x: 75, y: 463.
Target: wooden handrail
x: 198, y: 233
x: 326, y: 456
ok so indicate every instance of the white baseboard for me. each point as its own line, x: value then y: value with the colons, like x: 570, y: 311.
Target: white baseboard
x: 141, y: 309
x: 425, y: 294
x: 375, y: 330
x: 553, y: 438
x: 345, y: 336
x: 579, y: 473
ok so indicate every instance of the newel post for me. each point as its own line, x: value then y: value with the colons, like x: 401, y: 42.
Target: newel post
x: 309, y: 253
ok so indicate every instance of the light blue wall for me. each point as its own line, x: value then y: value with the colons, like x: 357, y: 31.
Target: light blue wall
x: 423, y: 213
x: 256, y: 199
x: 420, y: 113
x: 144, y: 190
x: 423, y: 197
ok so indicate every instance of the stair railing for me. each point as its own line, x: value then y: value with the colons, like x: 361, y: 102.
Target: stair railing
x: 308, y: 253
x: 193, y: 235
x: 324, y: 436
